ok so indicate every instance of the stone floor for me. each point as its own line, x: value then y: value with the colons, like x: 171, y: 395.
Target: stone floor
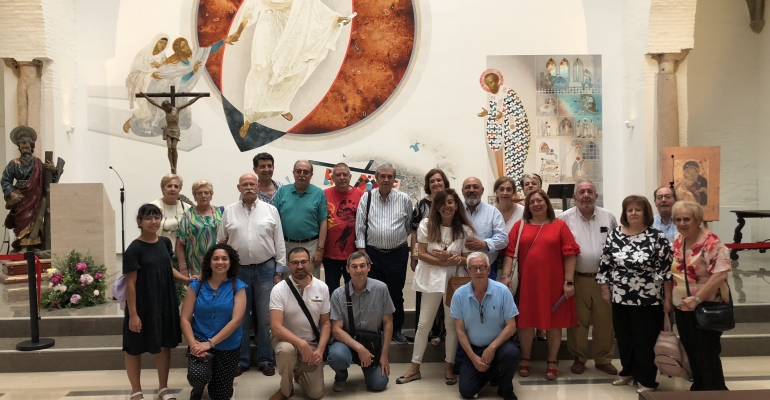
x: 748, y: 373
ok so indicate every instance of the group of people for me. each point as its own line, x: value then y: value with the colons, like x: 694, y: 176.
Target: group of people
x: 529, y: 273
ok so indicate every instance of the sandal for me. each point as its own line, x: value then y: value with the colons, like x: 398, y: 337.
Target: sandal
x: 436, y: 341
x: 169, y: 396
x: 552, y: 373
x: 136, y: 394
x: 524, y: 369
x: 450, y: 381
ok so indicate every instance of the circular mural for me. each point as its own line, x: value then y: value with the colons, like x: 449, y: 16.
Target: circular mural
x: 303, y: 67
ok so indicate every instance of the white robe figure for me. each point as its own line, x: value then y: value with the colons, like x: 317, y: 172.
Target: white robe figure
x: 139, y: 78
x: 291, y: 39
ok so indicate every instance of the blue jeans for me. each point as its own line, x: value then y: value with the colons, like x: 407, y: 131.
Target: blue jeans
x: 259, y: 277
x: 506, y: 361
x: 340, y: 358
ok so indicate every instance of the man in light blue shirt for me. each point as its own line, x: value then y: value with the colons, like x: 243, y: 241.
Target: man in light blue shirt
x: 487, y: 220
x: 665, y: 198
x: 484, y: 313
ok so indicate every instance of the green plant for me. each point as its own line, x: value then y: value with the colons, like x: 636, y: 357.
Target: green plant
x: 75, y: 282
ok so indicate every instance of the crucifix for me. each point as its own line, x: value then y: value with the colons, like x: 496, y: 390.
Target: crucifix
x: 171, y: 131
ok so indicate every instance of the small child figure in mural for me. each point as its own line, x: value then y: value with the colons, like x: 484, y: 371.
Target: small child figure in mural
x: 693, y: 186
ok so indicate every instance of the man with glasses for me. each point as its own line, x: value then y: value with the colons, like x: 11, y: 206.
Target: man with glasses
x: 383, y: 223
x: 263, y: 168
x: 342, y: 202
x: 253, y: 229
x: 590, y: 226
x: 484, y: 313
x: 298, y: 350
x: 665, y: 198
x: 372, y: 308
x: 303, y: 211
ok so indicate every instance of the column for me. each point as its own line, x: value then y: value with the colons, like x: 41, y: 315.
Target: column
x: 667, y: 103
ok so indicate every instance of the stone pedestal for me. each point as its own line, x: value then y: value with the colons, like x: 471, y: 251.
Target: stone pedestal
x: 82, y: 218
x: 667, y: 103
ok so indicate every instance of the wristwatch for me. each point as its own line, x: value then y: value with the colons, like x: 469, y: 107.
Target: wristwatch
x: 568, y: 283
x: 211, y: 343
x: 697, y: 299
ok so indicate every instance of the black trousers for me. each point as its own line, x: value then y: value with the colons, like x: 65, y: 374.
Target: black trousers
x: 334, y: 270
x: 507, y: 358
x: 390, y: 268
x: 636, y: 331
x: 703, y: 348
x: 217, y: 373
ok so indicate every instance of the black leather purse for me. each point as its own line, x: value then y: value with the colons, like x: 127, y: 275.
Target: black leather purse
x: 372, y: 341
x: 710, y: 315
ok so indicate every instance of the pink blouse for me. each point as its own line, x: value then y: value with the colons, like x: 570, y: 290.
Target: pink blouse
x: 707, y: 257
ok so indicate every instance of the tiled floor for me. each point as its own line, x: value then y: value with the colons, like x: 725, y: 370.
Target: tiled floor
x: 743, y: 374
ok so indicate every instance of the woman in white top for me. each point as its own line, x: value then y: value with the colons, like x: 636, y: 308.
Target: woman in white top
x: 172, y: 208
x: 505, y: 191
x: 442, y: 255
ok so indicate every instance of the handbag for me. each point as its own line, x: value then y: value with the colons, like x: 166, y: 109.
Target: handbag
x: 710, y: 315
x: 514, y: 285
x: 670, y: 357
x: 453, y: 284
x: 372, y: 341
x: 309, y: 317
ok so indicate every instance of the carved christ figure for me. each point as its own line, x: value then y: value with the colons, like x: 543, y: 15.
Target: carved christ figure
x: 171, y: 131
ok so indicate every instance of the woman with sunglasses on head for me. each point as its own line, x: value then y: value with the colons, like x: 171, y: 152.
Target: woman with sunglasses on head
x: 705, y: 258
x: 441, y: 243
x: 198, y: 229
x: 215, y: 341
x: 151, y: 322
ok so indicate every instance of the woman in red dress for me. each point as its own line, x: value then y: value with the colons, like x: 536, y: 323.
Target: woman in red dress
x: 547, y: 253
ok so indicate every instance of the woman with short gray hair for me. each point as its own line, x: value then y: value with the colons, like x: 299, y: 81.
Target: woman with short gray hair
x: 197, y: 229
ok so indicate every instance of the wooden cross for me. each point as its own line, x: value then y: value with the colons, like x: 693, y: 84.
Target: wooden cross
x: 173, y: 95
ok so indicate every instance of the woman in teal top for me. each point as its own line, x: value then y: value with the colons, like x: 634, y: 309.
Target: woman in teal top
x: 211, y: 319
x: 197, y: 229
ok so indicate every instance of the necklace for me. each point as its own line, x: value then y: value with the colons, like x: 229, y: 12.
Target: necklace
x: 165, y: 217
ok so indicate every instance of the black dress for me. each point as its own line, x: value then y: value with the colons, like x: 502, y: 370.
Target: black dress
x: 156, y: 301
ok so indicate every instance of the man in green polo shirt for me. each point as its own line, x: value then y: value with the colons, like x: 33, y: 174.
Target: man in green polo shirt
x: 302, y: 207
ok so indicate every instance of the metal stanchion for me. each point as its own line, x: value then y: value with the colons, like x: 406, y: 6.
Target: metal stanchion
x: 36, y: 342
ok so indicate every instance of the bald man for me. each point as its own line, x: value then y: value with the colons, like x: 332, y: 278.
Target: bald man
x: 253, y: 228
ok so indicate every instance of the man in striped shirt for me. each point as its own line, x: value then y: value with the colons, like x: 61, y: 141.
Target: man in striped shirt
x: 382, y: 227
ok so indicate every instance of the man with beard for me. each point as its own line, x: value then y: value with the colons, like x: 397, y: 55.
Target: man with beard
x: 342, y: 201
x: 300, y: 331
x: 302, y: 207
x: 590, y: 226
x: 665, y: 198
x: 489, y: 223
x: 25, y: 198
x: 253, y: 229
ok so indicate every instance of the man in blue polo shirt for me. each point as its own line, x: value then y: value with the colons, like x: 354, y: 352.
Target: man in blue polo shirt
x: 484, y: 314
x: 303, y: 211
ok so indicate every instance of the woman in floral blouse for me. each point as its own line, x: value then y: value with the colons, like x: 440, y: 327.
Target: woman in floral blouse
x: 635, y: 274
x: 197, y: 229
x: 707, y: 268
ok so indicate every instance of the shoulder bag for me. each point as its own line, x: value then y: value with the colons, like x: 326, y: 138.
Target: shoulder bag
x: 372, y: 341
x: 514, y: 285
x: 710, y: 315
x: 309, y: 317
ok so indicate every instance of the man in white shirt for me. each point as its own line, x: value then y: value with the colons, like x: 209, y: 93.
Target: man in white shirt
x: 665, y: 197
x: 590, y: 226
x: 298, y: 342
x: 253, y: 228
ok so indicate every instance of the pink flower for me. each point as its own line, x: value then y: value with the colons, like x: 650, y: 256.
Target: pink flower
x: 82, y: 285
x: 75, y: 298
x: 96, y: 292
x: 63, y: 288
x: 57, y: 278
x: 98, y: 276
x: 86, y: 278
x: 81, y: 267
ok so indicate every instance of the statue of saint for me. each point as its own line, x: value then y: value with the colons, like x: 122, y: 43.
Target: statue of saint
x: 171, y: 130
x: 22, y: 184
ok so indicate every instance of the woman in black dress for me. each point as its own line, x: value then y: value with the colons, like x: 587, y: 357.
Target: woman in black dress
x: 151, y: 323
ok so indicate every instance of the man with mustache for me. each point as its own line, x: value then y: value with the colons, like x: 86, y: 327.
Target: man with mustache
x: 490, y: 236
x: 665, y: 198
x: 253, y: 228
x: 300, y: 330
x: 303, y: 211
x: 590, y: 226
x: 25, y: 198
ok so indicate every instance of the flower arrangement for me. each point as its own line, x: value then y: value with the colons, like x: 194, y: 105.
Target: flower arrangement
x: 75, y: 282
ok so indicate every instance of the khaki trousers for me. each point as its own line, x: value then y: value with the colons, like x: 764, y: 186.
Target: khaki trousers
x: 288, y: 360
x: 311, y: 246
x: 591, y: 310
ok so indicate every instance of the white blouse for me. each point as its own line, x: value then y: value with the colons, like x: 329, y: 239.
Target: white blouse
x: 431, y: 278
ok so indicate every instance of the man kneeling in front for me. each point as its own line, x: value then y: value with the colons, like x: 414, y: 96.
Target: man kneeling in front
x: 299, y: 321
x: 484, y: 314
x: 358, y: 309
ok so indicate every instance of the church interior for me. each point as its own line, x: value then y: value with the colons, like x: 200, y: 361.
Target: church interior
x: 632, y: 95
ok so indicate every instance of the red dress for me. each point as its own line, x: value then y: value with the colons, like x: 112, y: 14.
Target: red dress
x: 541, y: 275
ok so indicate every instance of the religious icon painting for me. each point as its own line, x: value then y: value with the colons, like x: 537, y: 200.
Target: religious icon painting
x: 695, y: 174
x: 547, y: 127
x: 568, y: 74
x: 546, y: 106
x: 548, y: 160
x: 580, y: 105
x: 566, y: 126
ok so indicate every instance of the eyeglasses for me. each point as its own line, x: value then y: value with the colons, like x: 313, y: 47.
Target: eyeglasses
x: 202, y: 193
x: 152, y: 218
x: 302, y: 171
x: 664, y: 197
x: 298, y: 263
x: 481, y: 314
x: 478, y: 269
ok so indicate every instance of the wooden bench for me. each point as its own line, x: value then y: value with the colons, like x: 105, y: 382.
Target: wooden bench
x: 685, y: 395
x: 737, y: 245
